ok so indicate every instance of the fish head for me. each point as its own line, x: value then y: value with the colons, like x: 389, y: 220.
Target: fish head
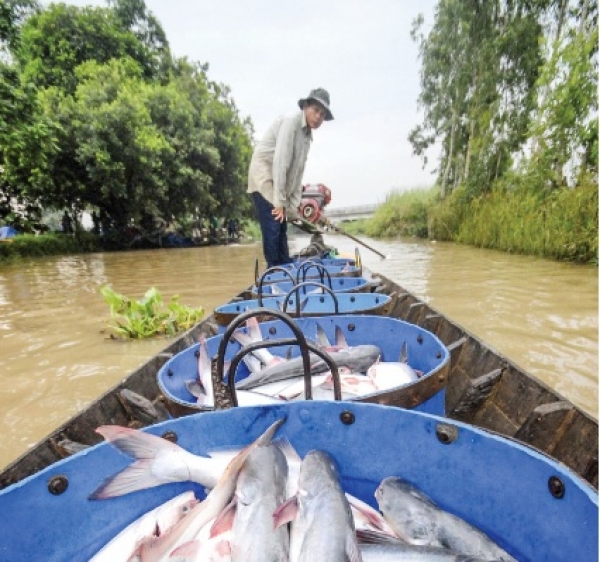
x: 318, y: 468
x: 265, y: 469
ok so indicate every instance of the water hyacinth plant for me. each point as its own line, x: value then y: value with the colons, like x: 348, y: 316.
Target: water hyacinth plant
x: 136, y: 319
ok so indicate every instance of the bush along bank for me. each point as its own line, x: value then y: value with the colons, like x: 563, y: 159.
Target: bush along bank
x: 30, y: 245
x: 557, y: 223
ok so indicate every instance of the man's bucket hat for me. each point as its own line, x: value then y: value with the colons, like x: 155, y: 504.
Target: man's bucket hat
x: 321, y: 96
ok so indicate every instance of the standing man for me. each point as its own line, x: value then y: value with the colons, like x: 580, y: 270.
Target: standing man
x: 276, y: 168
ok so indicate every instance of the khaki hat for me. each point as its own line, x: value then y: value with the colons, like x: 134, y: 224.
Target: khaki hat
x: 321, y: 96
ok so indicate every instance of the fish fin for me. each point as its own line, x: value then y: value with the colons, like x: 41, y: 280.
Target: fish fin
x: 403, y: 354
x: 139, y: 445
x: 368, y: 536
x: 241, y: 337
x: 253, y: 364
x: 322, y: 339
x: 186, y: 551
x: 276, y: 290
x: 136, y: 477
x: 340, y: 339
x: 286, y: 512
x: 224, y: 521
x: 373, y: 516
x: 203, y: 359
x: 285, y: 446
x: 254, y: 329
x: 195, y: 388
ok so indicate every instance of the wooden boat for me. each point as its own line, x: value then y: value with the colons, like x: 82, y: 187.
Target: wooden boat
x: 425, y: 351
x: 530, y: 505
x: 483, y: 388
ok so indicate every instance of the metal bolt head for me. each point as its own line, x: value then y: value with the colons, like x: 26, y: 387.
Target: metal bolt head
x: 272, y: 331
x: 446, y: 433
x: 347, y: 417
x: 170, y: 436
x: 58, y: 484
x: 556, y: 487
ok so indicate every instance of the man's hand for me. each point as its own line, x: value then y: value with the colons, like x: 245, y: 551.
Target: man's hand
x: 278, y: 213
x: 292, y: 215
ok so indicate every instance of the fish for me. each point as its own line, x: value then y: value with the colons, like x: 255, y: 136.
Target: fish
x: 255, y: 335
x: 358, y: 359
x: 416, y: 519
x: 156, y: 521
x: 391, y: 374
x: 291, y: 305
x: 322, y: 523
x: 157, y: 461
x: 201, y: 387
x: 261, y: 488
x: 158, y: 548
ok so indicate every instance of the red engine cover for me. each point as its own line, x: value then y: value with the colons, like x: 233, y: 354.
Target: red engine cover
x: 310, y: 210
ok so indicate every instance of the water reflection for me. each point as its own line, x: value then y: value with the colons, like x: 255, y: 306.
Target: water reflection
x: 55, y: 358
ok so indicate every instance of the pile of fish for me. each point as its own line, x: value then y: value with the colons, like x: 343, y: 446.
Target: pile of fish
x: 275, y: 379
x: 268, y: 505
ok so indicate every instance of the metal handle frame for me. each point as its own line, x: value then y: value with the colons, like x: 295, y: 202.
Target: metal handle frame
x: 336, y: 307
x: 298, y: 339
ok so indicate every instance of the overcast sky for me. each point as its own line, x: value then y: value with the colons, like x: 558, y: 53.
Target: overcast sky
x: 273, y: 52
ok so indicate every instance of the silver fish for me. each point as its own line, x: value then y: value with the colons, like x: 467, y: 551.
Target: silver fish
x: 358, y: 359
x: 322, y: 523
x: 157, y: 521
x: 160, y: 547
x: 391, y: 374
x: 261, y: 488
x: 415, y: 518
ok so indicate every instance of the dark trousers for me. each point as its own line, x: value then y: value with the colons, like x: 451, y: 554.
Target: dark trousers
x: 274, y: 233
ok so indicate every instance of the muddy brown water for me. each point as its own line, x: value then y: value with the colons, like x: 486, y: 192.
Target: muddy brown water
x: 55, y: 357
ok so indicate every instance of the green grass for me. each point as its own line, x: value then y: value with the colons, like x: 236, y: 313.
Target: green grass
x: 30, y: 245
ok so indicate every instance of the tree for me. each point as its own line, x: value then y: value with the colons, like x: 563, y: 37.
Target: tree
x: 27, y: 146
x: 479, y: 66
x: 56, y: 41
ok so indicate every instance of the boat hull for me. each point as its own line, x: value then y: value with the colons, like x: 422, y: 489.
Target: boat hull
x: 483, y: 388
x: 531, y: 506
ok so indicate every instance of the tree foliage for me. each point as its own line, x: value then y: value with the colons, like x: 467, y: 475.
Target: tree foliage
x: 96, y: 113
x: 508, y: 84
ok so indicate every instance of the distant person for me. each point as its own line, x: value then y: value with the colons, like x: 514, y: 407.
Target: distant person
x: 276, y: 169
x: 95, y: 223
x: 66, y: 223
x: 232, y: 228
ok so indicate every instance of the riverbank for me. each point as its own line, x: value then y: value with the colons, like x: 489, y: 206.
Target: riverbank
x: 82, y: 242
x: 559, y: 224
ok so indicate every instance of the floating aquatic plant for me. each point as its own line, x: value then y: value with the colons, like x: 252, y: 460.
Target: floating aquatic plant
x: 136, y: 319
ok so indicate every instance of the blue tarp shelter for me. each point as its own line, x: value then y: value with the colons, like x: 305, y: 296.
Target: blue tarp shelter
x: 7, y: 232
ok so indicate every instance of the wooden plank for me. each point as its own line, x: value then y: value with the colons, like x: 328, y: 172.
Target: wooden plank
x: 520, y: 394
x: 545, y: 425
x: 578, y: 446
x: 474, y: 395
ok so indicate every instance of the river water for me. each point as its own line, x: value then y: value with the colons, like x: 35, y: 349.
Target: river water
x: 55, y: 356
